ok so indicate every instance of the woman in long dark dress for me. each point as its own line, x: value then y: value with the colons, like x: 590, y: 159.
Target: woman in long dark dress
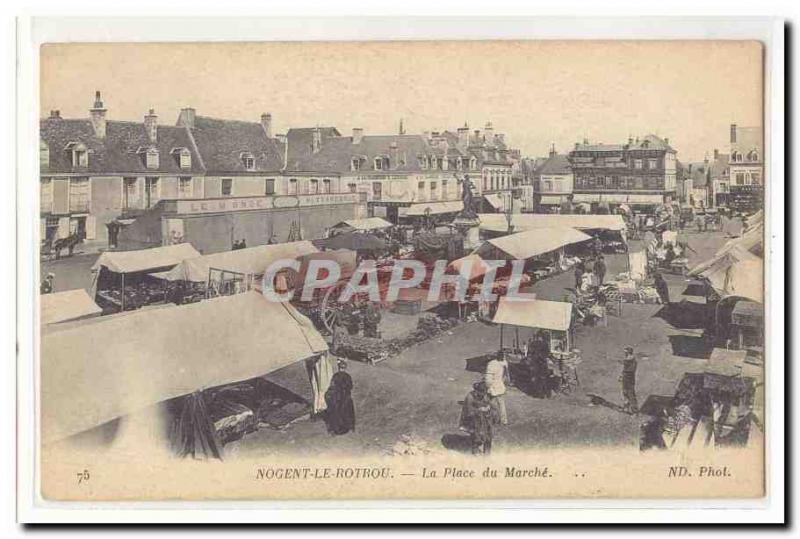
x: 662, y: 288
x: 341, y: 414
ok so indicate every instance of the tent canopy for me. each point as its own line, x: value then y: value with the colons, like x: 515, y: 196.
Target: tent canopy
x: 538, y: 313
x: 353, y: 242
x: 496, y: 222
x: 370, y: 223
x: 436, y: 208
x: 534, y: 242
x: 67, y: 305
x: 495, y: 200
x: 145, y: 259
x: 478, y: 267
x: 250, y: 261
x: 104, y: 369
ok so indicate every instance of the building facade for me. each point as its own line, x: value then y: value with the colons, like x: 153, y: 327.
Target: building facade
x: 746, y: 168
x: 640, y: 173
x: 96, y: 173
x: 553, y: 181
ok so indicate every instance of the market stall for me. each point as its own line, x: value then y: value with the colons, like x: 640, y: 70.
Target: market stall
x: 236, y: 271
x: 362, y: 225
x: 67, y: 306
x: 542, y: 248
x: 121, y: 279
x: 107, y: 368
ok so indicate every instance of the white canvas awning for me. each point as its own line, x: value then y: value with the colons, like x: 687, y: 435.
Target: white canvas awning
x: 550, y: 200
x: 735, y: 272
x: 145, y: 259
x: 645, y: 199
x: 478, y: 267
x: 370, y: 223
x: 107, y: 368
x: 435, y: 208
x: 525, y: 245
x: 250, y: 261
x: 528, y: 221
x: 537, y: 313
x: 67, y: 305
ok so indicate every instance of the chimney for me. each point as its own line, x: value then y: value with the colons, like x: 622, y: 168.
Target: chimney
x: 716, y: 154
x: 733, y: 133
x: 463, y: 135
x: 266, y: 123
x: 186, y: 118
x: 151, y: 126
x: 630, y: 140
x: 358, y: 133
x: 98, y: 115
x: 585, y: 141
x: 501, y: 137
x: 577, y: 144
x: 488, y: 132
x: 552, y: 149
x: 55, y: 114
x: 666, y: 141
x: 316, y: 140
x: 281, y: 138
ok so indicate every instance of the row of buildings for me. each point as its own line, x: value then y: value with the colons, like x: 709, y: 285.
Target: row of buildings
x: 217, y: 181
x: 646, y: 172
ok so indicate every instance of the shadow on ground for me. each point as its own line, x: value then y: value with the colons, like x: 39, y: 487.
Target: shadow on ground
x: 684, y: 315
x: 457, y: 442
x: 692, y: 346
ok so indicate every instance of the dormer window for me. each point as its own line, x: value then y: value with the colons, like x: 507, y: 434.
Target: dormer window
x: 357, y: 162
x: 79, y: 154
x: 248, y: 161
x: 44, y: 155
x: 753, y: 155
x: 473, y: 163
x: 151, y: 158
x: 184, y: 157
x: 423, y: 162
x: 736, y: 157
x: 381, y: 163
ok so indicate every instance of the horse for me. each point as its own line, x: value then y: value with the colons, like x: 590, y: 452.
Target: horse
x: 68, y: 243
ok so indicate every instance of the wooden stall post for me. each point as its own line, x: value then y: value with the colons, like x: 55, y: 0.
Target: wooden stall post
x: 122, y: 296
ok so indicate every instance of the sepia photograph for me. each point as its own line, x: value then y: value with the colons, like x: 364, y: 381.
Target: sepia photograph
x: 402, y: 269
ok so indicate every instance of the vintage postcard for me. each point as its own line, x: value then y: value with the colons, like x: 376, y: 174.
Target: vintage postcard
x: 437, y: 269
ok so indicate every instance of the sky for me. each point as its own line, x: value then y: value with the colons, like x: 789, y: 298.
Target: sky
x: 536, y: 92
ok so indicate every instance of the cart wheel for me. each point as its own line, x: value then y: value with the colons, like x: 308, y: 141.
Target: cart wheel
x: 328, y: 310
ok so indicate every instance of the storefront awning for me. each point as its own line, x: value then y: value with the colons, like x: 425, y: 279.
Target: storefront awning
x: 537, y: 313
x: 67, y: 305
x: 645, y: 199
x: 527, y: 221
x: 106, y: 368
x: 419, y: 209
x: 548, y: 200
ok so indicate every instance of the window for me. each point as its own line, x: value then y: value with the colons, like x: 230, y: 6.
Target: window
x: 269, y: 187
x: 548, y: 185
x: 185, y: 187
x: 184, y: 158
x: 46, y: 196
x: 756, y: 178
x: 357, y: 163
x: 753, y: 156
x: 44, y: 155
x: 79, y: 194
x: 423, y: 163
x: 444, y: 188
x: 638, y: 163
x: 736, y: 156
x: 352, y: 187
x: 379, y: 163
x: 377, y: 190
x: 739, y: 178
x: 248, y: 161
x: 293, y: 186
x: 129, y: 192
x: 227, y: 187
x: 151, y: 192
x: 313, y: 188
x: 652, y: 163
x: 473, y: 163
x: 151, y: 158
x: 557, y: 186
x: 639, y: 183
x: 326, y: 186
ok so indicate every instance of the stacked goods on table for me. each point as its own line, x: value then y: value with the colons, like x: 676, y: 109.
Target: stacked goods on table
x: 242, y: 408
x: 136, y: 295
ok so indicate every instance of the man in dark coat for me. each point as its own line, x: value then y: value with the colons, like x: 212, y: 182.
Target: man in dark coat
x: 662, y: 288
x: 628, y: 379
x: 476, y: 419
x: 600, y: 268
x: 578, y: 274
x: 340, y: 416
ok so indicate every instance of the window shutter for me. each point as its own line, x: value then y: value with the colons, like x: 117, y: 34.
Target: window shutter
x: 91, y: 227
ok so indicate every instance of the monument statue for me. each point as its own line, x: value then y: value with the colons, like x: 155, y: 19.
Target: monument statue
x: 466, y: 198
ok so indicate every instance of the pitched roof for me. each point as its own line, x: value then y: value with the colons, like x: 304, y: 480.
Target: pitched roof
x: 650, y: 142
x: 299, y: 139
x: 555, y: 164
x: 222, y: 143
x: 121, y: 149
x: 747, y: 139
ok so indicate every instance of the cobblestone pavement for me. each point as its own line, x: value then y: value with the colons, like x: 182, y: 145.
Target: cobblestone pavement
x: 417, y: 392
